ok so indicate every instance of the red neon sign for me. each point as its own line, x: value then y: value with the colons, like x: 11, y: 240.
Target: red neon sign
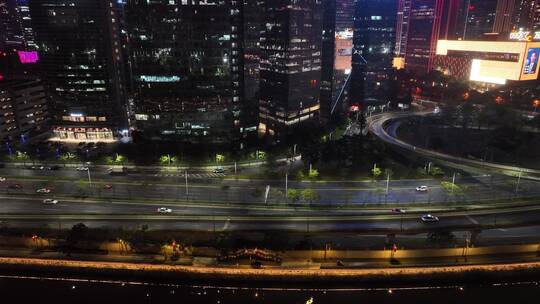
x: 28, y: 56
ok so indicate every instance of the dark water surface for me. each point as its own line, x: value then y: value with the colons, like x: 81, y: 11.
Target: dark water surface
x: 27, y: 289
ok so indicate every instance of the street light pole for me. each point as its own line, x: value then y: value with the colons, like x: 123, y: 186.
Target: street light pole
x: 89, y: 178
x: 519, y: 179
x: 387, y: 182
x: 453, y: 182
x: 286, y: 186
x: 187, y: 189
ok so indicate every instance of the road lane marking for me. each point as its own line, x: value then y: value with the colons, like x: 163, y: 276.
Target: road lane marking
x: 471, y: 219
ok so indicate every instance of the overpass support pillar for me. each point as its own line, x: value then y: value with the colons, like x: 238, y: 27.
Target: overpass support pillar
x: 474, y: 235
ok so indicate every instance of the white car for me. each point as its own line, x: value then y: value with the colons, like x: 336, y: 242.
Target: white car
x: 422, y: 188
x: 43, y: 190
x: 219, y: 170
x: 428, y: 218
x: 82, y: 168
x: 2, y: 179
x: 50, y: 201
x: 164, y: 210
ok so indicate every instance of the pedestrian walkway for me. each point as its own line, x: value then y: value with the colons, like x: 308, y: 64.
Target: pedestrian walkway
x: 192, y: 175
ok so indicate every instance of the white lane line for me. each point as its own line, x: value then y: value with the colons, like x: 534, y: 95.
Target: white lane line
x: 472, y: 220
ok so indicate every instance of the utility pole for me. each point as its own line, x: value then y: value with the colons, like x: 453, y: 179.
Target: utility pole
x: 89, y: 178
x: 519, y: 179
x: 286, y: 186
x: 387, y: 182
x: 453, y: 182
x: 187, y: 189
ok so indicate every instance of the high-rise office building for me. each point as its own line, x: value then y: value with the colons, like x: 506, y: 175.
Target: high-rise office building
x: 479, y: 19
x: 338, y: 22
x: 373, y: 49
x: 188, y: 68
x: 344, y: 14
x: 526, y: 15
x: 429, y: 21
x: 402, y: 26
x: 81, y: 58
x: 290, y: 65
x: 23, y: 110
x: 504, y: 18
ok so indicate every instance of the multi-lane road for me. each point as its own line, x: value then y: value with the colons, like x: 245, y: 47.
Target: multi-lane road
x: 208, y: 200
x: 230, y: 204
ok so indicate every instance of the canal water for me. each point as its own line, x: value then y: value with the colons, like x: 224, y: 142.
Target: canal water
x: 27, y: 289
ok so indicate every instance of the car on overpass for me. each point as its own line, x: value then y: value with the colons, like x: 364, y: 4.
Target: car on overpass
x: 43, y: 190
x: 422, y: 189
x: 428, y: 218
x: 219, y: 170
x: 164, y: 210
x: 50, y: 201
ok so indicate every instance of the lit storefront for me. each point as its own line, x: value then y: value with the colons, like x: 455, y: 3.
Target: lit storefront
x: 493, y: 62
x: 83, y: 134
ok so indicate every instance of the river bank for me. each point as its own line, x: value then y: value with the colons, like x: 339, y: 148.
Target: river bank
x: 233, y: 275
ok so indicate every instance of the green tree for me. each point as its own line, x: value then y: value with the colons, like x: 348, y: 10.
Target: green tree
x: 376, y: 172
x: 117, y: 159
x: 309, y: 195
x: 313, y: 173
x: 21, y: 156
x: 293, y: 195
x: 78, y: 233
x: 168, y: 159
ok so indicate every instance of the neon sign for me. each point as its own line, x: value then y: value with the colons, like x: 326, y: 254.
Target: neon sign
x: 28, y: 56
x: 524, y: 36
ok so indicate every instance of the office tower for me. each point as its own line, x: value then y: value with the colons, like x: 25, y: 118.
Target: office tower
x: 23, y: 110
x: 504, y: 17
x: 10, y: 30
x: 373, y: 50
x: 429, y: 21
x: 188, y: 68
x: 290, y: 65
x: 480, y: 19
x: 81, y: 59
x: 252, y: 15
x: 328, y: 57
x: 338, y: 22
x: 344, y: 14
x: 526, y: 15
x: 402, y: 26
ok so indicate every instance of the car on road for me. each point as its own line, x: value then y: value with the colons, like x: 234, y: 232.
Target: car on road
x: 219, y: 170
x: 50, y: 201
x: 422, y: 188
x: 428, y: 218
x: 82, y: 168
x: 164, y: 210
x: 2, y: 179
x: 108, y: 186
x: 15, y: 186
x: 398, y: 210
x: 43, y: 190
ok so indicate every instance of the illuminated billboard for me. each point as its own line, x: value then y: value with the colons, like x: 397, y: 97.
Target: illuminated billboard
x: 530, y: 66
x: 493, y: 62
x: 28, y: 56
